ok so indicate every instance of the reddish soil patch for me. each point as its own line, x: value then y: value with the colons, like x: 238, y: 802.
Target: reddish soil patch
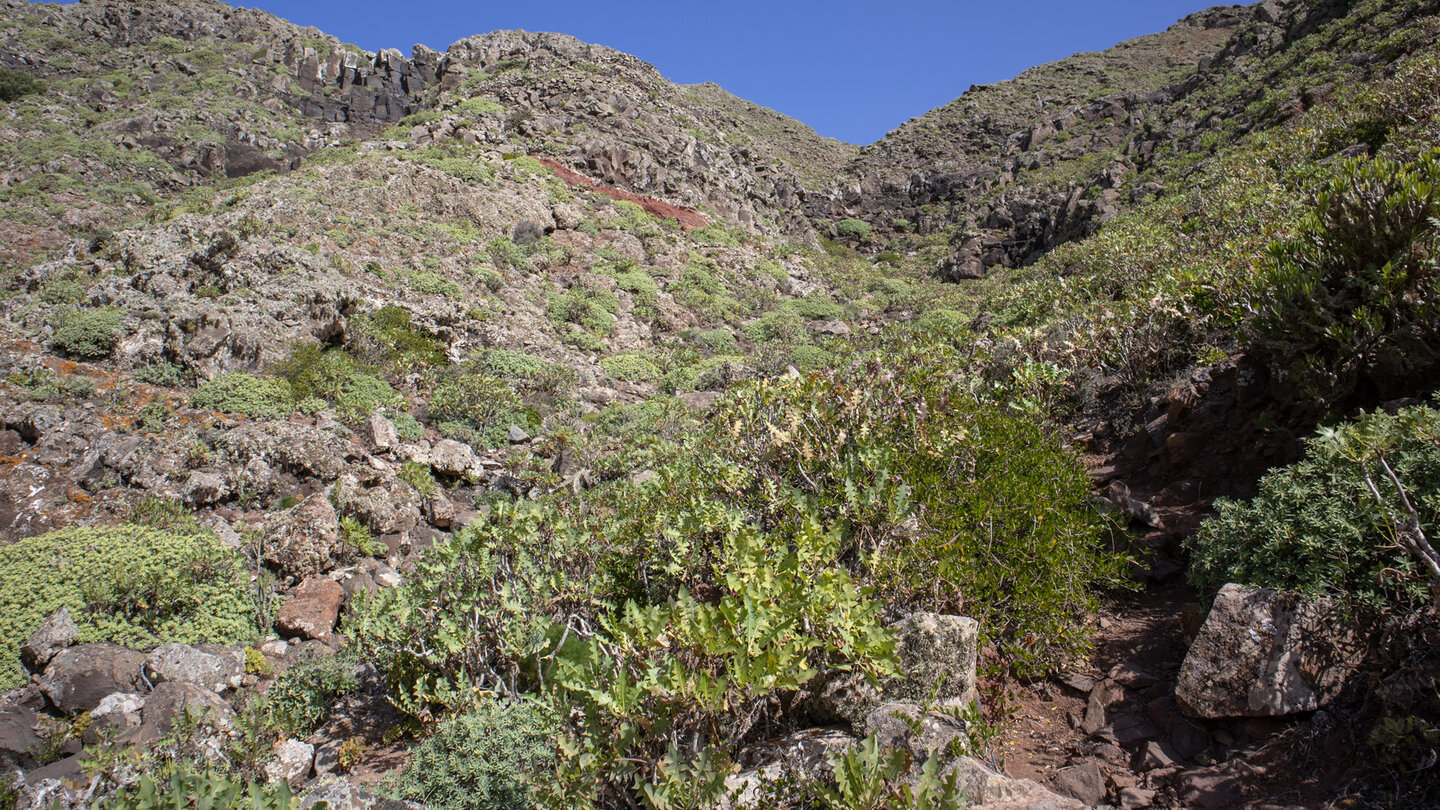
x: 688, y: 218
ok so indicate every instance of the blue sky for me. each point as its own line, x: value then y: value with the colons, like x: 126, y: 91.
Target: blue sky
x: 851, y: 70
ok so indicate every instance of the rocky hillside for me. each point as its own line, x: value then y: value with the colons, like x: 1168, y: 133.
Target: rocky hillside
x: 510, y: 427
x: 1009, y: 171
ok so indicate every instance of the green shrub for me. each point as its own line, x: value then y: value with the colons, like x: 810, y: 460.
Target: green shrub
x: 701, y: 291
x: 432, y: 284
x: 525, y: 371
x: 329, y: 374
x: 305, y: 694
x: 778, y: 325
x: 632, y: 367
x: 716, y: 235
x: 387, y: 338
x: 945, y: 501
x: 1355, y: 294
x: 407, y: 426
x: 132, y: 585
x: 475, y: 108
x: 588, y: 307
x: 815, y: 308
x: 15, y: 84
x: 418, y: 476
x: 717, y: 341
x: 486, y: 403
x: 853, y: 229
x: 245, y: 394
x: 87, y: 334
x: 480, y: 760
x: 810, y: 358
x: 1314, y: 527
x: 506, y: 253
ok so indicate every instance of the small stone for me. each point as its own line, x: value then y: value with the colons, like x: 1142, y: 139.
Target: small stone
x: 1083, y: 782
x: 518, y: 435
x: 292, y: 762
x: 203, y: 488
x: 311, y: 612
x: 382, y: 433
x: 1134, y: 798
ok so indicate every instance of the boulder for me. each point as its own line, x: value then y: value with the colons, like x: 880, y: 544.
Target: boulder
x: 305, y: 539
x: 173, y: 701
x: 382, y: 433
x: 988, y: 789
x: 17, y: 738
x: 116, y: 714
x: 392, y: 507
x: 1265, y: 653
x: 217, y: 668
x: 78, y: 678
x: 909, y: 726
x: 57, y: 632
x: 291, y: 763
x: 937, y: 662
x: 204, y: 488
x: 311, y: 612
x: 453, y: 458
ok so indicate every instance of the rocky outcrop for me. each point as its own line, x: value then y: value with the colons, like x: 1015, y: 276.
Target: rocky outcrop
x: 1265, y: 653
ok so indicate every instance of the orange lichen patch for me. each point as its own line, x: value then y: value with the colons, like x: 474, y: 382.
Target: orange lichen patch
x: 11, y: 460
x: 688, y: 218
x: 79, y: 496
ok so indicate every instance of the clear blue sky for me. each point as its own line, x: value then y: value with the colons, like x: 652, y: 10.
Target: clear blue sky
x: 851, y: 69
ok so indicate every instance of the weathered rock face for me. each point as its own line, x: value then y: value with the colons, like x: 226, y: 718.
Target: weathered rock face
x: 218, y: 669
x: 1263, y: 653
x: 937, y: 660
x: 78, y: 678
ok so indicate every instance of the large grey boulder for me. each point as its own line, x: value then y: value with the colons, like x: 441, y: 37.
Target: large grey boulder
x: 218, y: 669
x: 78, y: 678
x: 57, y: 632
x: 937, y: 662
x: 173, y: 701
x: 306, y: 539
x: 1265, y: 653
